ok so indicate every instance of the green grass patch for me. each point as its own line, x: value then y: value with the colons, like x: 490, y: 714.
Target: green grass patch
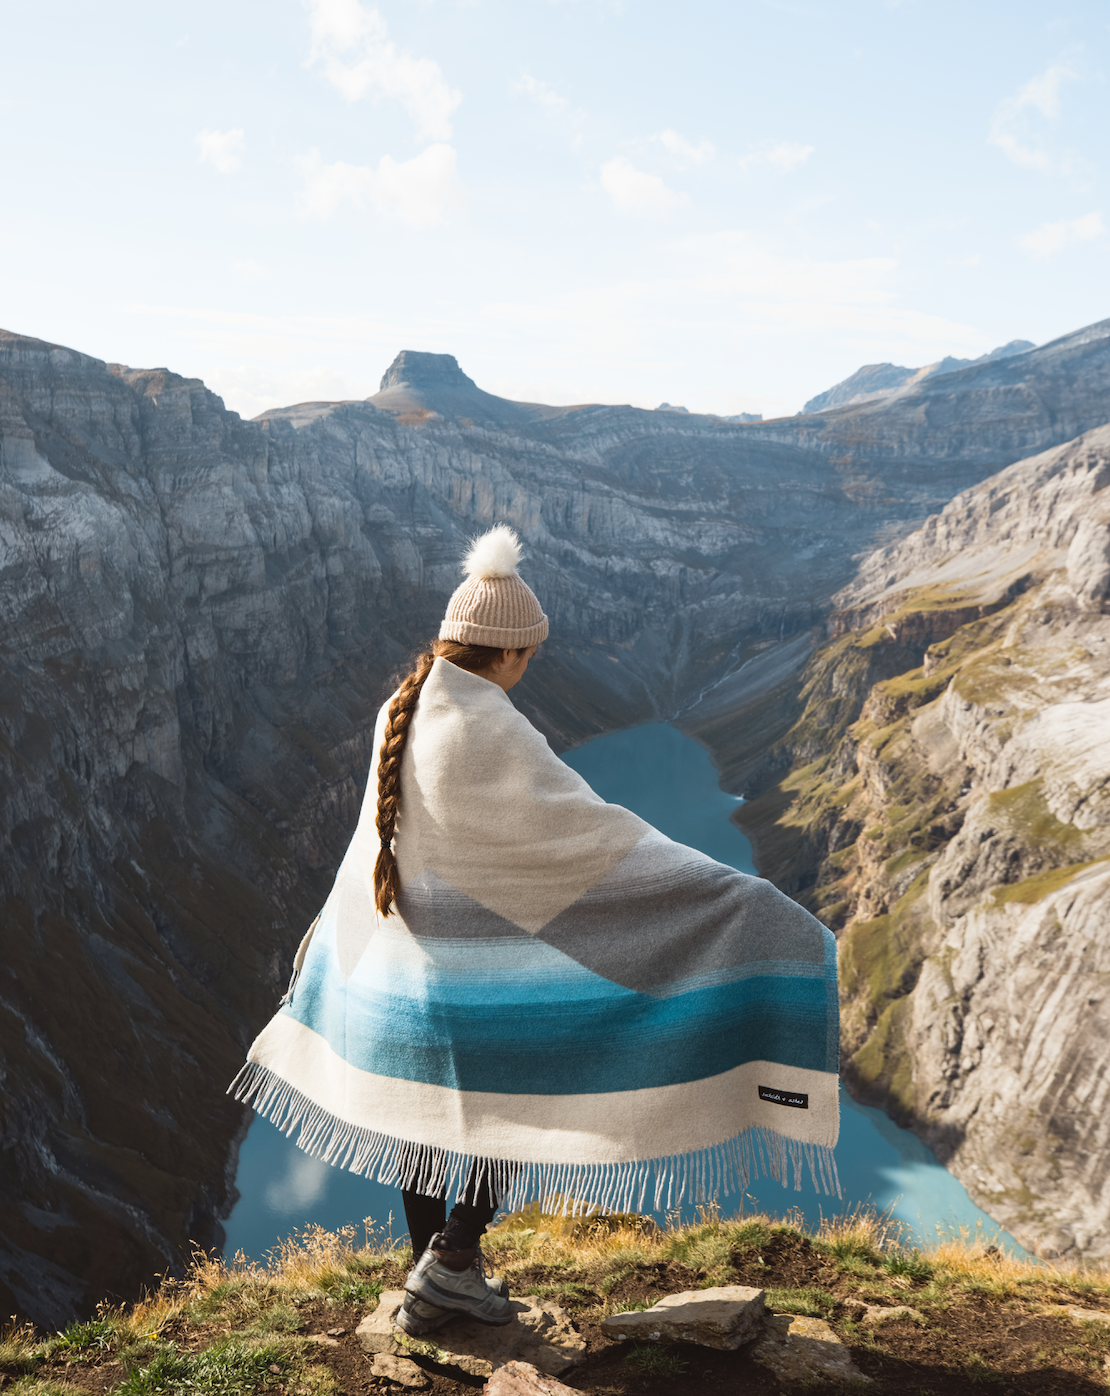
x: 656, y: 1362
x: 910, y: 1265
x: 810, y: 1303
x: 349, y: 1289
x: 1034, y: 889
x: 95, y: 1336
x: 227, y: 1368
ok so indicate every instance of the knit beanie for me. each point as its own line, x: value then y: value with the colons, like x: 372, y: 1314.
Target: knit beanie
x: 494, y: 606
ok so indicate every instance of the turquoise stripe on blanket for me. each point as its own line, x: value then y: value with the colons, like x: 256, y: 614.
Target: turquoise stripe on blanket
x: 529, y: 1020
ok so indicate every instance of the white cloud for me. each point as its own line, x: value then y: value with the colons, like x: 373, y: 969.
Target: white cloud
x: 417, y: 191
x: 351, y: 43
x: 542, y: 93
x: 780, y: 155
x: 221, y: 149
x: 695, y: 154
x: 1012, y: 127
x: 304, y: 1184
x: 633, y: 191
x: 558, y: 108
x: 1051, y: 238
x: 249, y: 268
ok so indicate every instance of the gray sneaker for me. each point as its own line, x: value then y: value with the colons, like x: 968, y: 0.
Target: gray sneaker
x: 415, y: 1317
x: 468, y: 1291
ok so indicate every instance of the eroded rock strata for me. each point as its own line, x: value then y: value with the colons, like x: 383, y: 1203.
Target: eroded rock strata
x: 947, y: 810
x: 198, y: 616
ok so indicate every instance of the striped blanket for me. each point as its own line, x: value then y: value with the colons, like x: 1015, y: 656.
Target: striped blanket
x: 583, y: 1006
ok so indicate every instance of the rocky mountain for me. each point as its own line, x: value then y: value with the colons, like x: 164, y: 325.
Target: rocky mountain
x: 198, y: 619
x: 881, y: 380
x: 946, y: 807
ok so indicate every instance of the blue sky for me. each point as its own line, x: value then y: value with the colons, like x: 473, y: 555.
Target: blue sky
x: 725, y: 205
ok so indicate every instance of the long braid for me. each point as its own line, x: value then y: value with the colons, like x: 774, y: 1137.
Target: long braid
x: 387, y: 882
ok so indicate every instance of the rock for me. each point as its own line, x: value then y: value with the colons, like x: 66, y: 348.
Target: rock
x: 324, y: 1339
x: 377, y: 1331
x: 874, y: 1314
x: 522, y: 1379
x: 804, y: 1350
x: 722, y: 1317
x: 1089, y: 1315
x: 541, y: 1333
x: 402, y: 1370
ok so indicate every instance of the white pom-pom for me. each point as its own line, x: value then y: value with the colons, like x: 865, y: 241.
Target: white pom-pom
x: 495, y: 554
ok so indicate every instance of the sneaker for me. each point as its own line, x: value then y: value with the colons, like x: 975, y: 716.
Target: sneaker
x: 416, y: 1317
x: 469, y: 1290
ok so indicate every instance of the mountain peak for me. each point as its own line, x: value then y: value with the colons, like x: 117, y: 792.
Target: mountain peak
x: 414, y: 369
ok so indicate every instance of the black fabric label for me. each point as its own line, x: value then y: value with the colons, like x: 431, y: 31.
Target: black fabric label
x: 798, y: 1099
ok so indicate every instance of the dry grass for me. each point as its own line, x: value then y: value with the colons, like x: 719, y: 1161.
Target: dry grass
x: 215, y: 1329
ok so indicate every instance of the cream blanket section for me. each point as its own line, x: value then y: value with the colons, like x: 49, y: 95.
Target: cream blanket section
x: 564, y: 994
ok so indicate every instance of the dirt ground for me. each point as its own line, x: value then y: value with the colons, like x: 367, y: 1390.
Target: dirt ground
x: 967, y: 1342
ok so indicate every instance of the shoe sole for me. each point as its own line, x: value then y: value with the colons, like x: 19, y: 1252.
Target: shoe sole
x: 443, y: 1299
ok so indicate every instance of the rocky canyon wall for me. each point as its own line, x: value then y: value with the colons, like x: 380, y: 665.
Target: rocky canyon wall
x: 946, y: 808
x: 198, y: 618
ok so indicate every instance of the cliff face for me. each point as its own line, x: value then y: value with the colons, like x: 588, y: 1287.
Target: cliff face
x: 198, y: 616
x: 947, y: 809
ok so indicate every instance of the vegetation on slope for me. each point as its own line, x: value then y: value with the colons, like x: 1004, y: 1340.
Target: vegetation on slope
x: 874, y: 792
x: 984, y: 1317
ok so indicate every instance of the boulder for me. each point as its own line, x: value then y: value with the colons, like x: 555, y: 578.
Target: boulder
x: 522, y: 1379
x: 804, y: 1350
x: 540, y: 1333
x: 723, y: 1317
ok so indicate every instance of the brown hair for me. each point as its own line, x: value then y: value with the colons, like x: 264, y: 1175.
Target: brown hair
x: 387, y: 884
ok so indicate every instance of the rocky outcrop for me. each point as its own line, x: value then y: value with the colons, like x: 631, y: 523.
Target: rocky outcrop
x: 198, y: 617
x: 947, y: 809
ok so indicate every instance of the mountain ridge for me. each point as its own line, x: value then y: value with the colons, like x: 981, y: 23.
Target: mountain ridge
x: 880, y: 380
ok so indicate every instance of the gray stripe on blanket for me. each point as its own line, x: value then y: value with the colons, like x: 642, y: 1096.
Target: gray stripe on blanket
x: 672, y: 886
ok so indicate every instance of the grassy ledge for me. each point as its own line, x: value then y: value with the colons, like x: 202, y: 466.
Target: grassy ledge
x: 980, y: 1316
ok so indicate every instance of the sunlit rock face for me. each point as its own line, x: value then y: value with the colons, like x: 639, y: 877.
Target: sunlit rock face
x: 952, y: 822
x: 198, y: 618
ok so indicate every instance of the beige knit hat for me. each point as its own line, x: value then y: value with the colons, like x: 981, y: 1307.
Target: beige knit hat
x: 494, y: 606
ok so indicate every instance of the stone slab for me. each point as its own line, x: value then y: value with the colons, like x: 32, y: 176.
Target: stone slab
x: 401, y: 1370
x: 377, y: 1329
x: 723, y: 1317
x: 522, y: 1379
x: 540, y: 1333
x: 799, y: 1349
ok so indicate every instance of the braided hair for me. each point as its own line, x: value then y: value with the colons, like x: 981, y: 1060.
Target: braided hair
x: 387, y: 884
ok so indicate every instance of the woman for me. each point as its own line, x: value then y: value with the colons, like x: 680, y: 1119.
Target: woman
x: 518, y: 990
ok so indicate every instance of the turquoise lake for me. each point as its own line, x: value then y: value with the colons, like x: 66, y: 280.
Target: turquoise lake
x: 669, y: 780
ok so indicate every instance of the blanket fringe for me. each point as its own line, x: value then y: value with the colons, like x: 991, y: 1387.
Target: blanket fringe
x: 658, y: 1184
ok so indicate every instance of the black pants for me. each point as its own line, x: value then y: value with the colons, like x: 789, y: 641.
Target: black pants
x: 470, y: 1216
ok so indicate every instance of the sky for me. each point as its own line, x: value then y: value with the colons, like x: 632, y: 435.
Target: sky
x: 724, y: 204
